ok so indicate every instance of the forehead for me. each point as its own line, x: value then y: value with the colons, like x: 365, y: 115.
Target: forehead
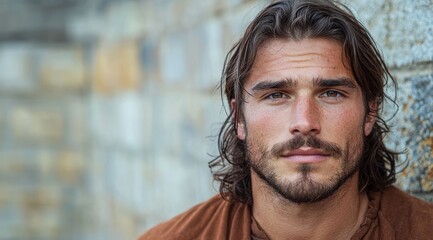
x: 303, y: 60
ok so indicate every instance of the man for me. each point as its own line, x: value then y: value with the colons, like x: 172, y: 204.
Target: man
x: 302, y: 152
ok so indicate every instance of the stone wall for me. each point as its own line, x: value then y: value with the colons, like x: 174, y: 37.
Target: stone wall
x: 42, y: 140
x: 403, y: 29
x: 106, y: 128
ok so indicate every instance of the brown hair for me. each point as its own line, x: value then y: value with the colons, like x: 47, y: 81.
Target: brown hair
x: 296, y: 20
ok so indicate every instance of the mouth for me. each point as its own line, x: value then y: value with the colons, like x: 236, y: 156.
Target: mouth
x: 305, y: 155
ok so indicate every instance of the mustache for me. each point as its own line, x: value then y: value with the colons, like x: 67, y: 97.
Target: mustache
x: 298, y: 141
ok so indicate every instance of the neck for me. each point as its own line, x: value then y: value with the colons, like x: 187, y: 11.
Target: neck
x: 337, y: 217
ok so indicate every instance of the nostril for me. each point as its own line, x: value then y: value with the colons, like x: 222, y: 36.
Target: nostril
x: 305, y: 127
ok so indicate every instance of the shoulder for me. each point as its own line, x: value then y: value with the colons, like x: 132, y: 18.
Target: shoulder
x: 406, y: 213
x: 394, y: 198
x: 211, y: 218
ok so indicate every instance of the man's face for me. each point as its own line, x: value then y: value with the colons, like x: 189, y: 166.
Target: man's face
x: 303, y: 119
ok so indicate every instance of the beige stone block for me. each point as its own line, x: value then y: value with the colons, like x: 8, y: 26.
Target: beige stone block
x: 13, y: 163
x: 13, y: 167
x: 37, y: 126
x: 124, y: 220
x: 62, y: 68
x: 70, y: 166
x: 41, y: 198
x: 42, y: 210
x: 116, y: 68
x: 66, y: 166
x: 46, y: 163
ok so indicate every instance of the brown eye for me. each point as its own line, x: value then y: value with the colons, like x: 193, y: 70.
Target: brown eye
x: 332, y: 94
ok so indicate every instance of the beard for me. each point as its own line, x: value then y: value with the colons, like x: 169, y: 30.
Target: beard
x: 304, y: 189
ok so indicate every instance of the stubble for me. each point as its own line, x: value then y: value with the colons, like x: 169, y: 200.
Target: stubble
x: 304, y: 189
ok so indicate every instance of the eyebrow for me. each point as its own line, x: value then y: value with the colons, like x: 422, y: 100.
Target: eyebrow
x: 334, y: 82
x: 288, y: 83
x: 267, y: 85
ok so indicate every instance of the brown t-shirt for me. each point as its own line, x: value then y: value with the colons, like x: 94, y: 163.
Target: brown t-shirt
x: 391, y: 214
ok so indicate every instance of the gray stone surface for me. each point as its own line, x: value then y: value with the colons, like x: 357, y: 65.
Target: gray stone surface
x: 410, y: 34
x: 206, y: 54
x: 402, y: 28
x: 60, y: 68
x: 16, y: 67
x: 415, y: 133
x: 173, y: 58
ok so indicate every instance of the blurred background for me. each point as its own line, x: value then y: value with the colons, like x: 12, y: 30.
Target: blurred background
x: 109, y: 108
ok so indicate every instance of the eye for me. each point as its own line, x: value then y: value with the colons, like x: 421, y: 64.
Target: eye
x: 332, y: 94
x: 275, y: 96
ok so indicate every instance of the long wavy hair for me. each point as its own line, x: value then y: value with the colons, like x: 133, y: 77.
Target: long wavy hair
x: 297, y: 20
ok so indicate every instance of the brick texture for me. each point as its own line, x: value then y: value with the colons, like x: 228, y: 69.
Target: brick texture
x: 106, y: 128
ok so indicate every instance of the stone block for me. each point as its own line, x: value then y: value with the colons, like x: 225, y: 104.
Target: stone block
x: 23, y: 167
x: 41, y: 208
x: 185, y: 183
x: 172, y: 183
x: 374, y: 15
x: 61, y: 68
x: 112, y: 22
x: 85, y: 26
x: 116, y: 68
x: 148, y: 122
x: 77, y: 126
x: 148, y: 57
x: 173, y: 58
x: 11, y: 215
x: 167, y: 113
x: 31, y: 125
x: 410, y: 36
x: 124, y: 221
x: 197, y: 11
x: 104, y: 124
x: 149, y: 17
x: 236, y: 20
x: 17, y: 67
x: 40, y: 198
x: 168, y: 7
x: 402, y: 28
x: 70, y: 167
x: 124, y: 20
x: 130, y: 120
x: 191, y: 131
x: 206, y: 56
x: 46, y: 161
x: 222, y: 6
x: 119, y: 169
x: 15, y: 164
x: 118, y: 121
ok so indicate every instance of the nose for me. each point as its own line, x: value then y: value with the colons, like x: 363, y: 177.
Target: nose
x: 305, y: 117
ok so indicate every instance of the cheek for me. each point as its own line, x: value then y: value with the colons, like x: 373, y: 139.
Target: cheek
x: 266, y: 125
x: 347, y: 123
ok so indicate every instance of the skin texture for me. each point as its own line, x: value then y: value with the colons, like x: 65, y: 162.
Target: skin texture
x: 304, y: 123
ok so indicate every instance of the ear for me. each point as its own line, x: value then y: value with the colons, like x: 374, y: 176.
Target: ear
x: 240, y: 125
x: 371, y: 117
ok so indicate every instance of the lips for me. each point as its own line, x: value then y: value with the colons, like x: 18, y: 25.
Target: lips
x: 305, y: 155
